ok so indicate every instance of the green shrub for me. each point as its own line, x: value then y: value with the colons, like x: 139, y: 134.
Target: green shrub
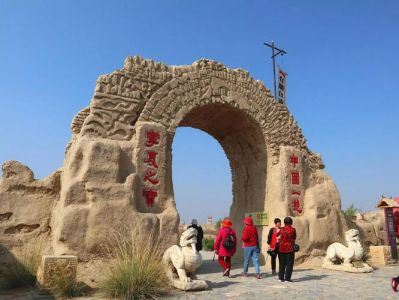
x: 23, y: 271
x: 135, y: 270
x: 218, y: 224
x: 207, y: 244
x: 351, y: 211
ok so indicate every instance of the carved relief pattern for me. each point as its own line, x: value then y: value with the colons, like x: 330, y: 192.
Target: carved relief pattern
x: 120, y: 96
x: 207, y: 82
x: 149, y: 91
x: 78, y: 120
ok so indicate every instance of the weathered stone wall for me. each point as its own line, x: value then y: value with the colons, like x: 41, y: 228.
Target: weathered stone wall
x: 118, y: 165
x: 371, y: 226
x: 25, y: 204
x: 98, y: 198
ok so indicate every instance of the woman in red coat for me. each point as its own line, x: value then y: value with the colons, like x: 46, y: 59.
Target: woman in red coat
x: 286, y: 250
x: 251, y: 246
x: 225, y: 254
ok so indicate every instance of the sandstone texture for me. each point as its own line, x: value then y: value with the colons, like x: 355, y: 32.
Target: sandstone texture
x: 371, y: 226
x: 25, y: 204
x: 118, y: 164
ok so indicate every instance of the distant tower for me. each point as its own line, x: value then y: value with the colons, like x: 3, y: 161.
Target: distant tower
x: 210, y: 220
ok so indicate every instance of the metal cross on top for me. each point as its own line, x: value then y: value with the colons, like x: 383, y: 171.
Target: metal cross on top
x: 274, y: 54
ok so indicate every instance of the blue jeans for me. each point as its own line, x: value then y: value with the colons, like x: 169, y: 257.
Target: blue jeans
x: 248, y: 253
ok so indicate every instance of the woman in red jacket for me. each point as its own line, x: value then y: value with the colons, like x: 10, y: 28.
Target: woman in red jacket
x: 222, y: 248
x: 286, y: 250
x: 273, y: 239
x: 250, y: 246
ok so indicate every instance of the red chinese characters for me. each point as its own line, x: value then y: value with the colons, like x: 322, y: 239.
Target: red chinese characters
x: 150, y: 196
x: 296, y: 206
x: 150, y: 176
x: 151, y: 159
x: 294, y: 160
x: 295, y: 180
x: 296, y: 203
x: 152, y: 138
x: 294, y: 177
x: 150, y: 179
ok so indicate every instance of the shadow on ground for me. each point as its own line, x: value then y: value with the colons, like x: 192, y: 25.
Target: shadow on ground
x: 302, y: 270
x: 310, y: 277
x: 217, y: 285
x: 16, y: 278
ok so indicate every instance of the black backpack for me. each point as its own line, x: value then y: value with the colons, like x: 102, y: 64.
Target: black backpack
x: 229, y: 242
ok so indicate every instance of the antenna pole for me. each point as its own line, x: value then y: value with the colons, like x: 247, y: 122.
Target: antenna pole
x: 274, y: 72
x: 274, y: 54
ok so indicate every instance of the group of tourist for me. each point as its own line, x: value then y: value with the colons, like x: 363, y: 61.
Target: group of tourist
x: 281, y: 241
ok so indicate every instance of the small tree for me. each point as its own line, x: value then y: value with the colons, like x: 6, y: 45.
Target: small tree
x: 218, y: 223
x: 351, y: 211
x: 207, y: 244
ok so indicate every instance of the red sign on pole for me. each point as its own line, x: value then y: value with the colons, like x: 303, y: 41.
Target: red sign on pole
x: 389, y: 225
x: 282, y: 85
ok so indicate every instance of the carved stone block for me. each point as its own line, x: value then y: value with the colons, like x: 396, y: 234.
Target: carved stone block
x: 379, y: 255
x: 53, y: 266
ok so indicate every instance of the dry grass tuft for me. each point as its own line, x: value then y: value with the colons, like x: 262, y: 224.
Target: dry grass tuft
x: 64, y: 285
x: 135, y: 270
x: 23, y: 271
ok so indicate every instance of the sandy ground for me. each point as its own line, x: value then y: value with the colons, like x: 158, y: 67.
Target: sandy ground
x: 308, y: 283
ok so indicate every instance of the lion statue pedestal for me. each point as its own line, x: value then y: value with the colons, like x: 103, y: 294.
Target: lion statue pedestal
x: 182, y: 261
x: 348, y: 259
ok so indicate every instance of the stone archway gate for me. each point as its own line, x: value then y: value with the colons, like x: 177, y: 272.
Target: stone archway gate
x: 117, y: 169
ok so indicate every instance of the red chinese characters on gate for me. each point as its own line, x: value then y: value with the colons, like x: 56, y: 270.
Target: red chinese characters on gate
x: 295, y: 182
x: 151, y: 159
x: 294, y: 177
x: 294, y: 160
x: 296, y: 203
x: 149, y: 196
x: 152, y: 138
x: 150, y: 176
x: 150, y: 180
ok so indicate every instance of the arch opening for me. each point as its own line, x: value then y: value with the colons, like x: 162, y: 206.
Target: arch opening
x: 243, y: 143
x: 202, y: 182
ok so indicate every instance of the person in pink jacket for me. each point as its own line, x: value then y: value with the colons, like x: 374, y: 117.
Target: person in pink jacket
x: 225, y: 245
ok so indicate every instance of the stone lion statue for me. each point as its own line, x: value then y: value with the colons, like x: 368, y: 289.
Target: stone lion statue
x: 337, y: 253
x: 183, y: 260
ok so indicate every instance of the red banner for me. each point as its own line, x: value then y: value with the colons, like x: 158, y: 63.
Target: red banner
x: 282, y: 85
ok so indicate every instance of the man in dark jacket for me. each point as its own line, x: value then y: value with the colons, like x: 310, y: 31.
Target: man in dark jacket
x: 273, y: 240
x: 200, y: 234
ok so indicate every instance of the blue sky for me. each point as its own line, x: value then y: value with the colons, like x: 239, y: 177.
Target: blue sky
x: 342, y: 66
